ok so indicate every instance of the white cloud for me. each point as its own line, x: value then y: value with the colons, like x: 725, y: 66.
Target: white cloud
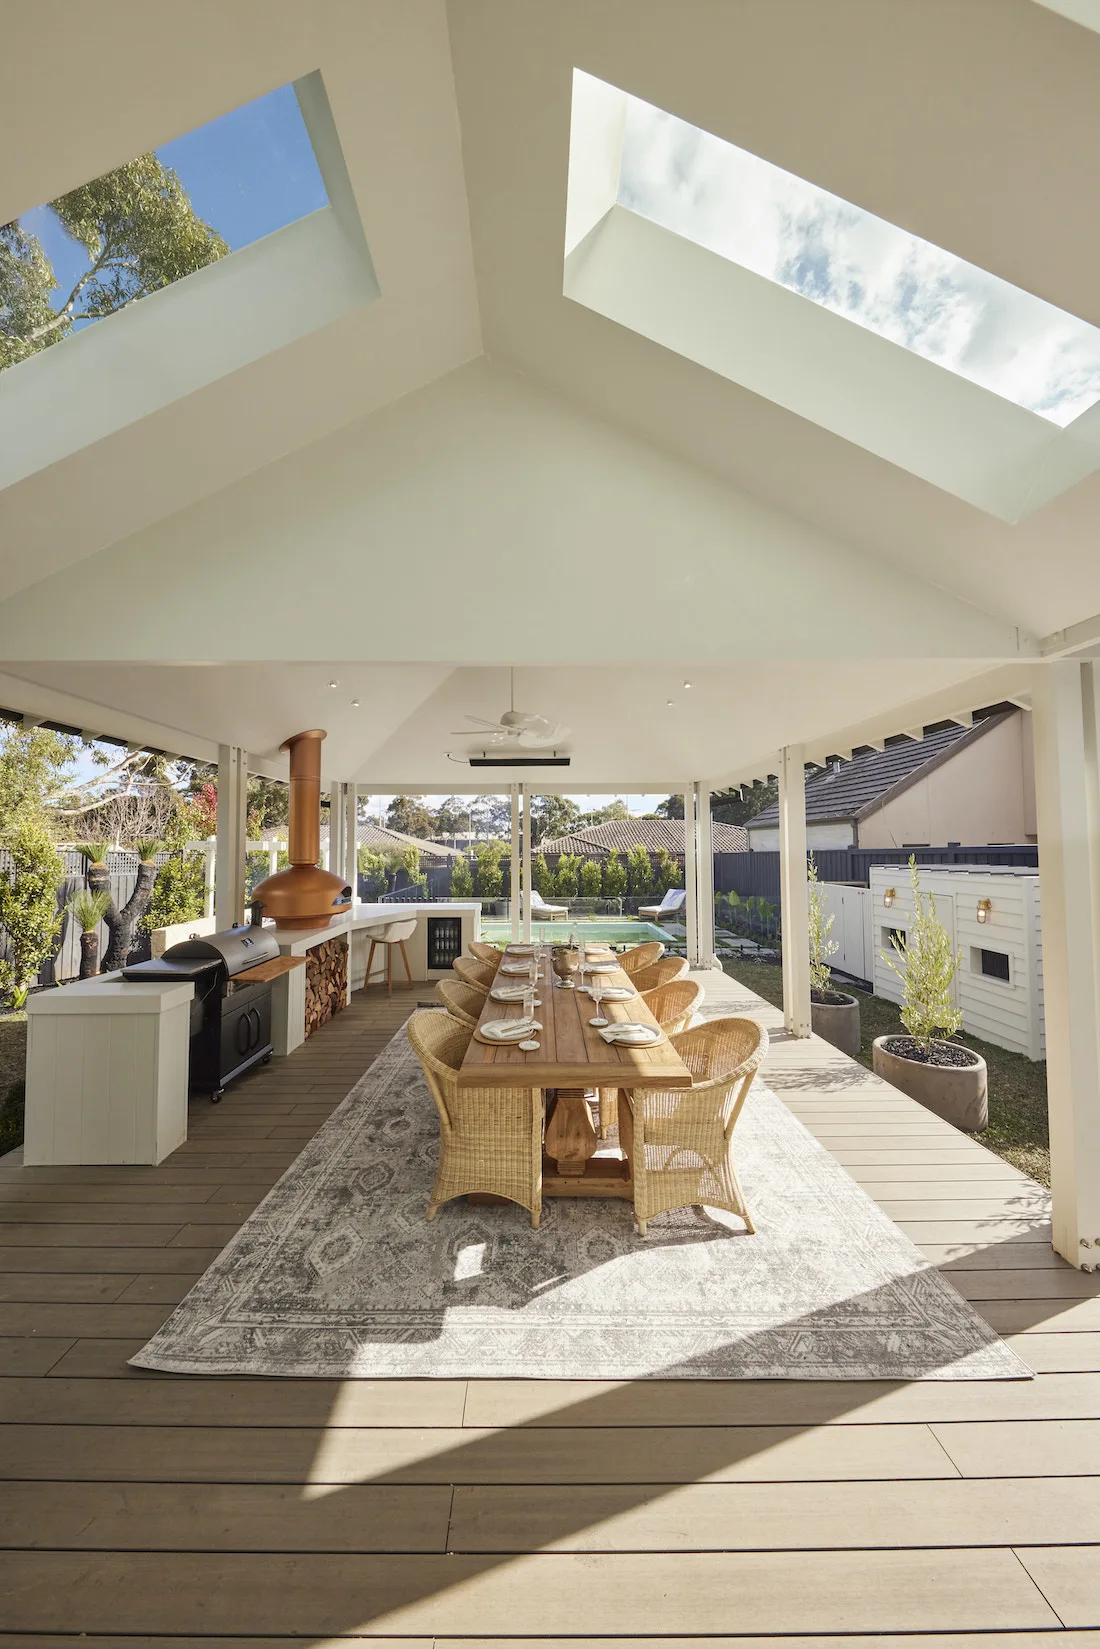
x: 883, y: 278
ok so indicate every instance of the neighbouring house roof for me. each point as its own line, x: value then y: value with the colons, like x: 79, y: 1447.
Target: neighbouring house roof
x: 380, y: 840
x: 865, y: 782
x: 620, y: 835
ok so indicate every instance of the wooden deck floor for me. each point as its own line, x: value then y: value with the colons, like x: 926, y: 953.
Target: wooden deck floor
x: 154, y: 1507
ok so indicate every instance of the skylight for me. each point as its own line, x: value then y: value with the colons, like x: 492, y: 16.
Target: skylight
x: 867, y: 270
x: 146, y: 225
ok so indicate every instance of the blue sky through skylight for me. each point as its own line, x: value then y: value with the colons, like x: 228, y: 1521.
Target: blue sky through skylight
x: 859, y: 266
x: 248, y: 173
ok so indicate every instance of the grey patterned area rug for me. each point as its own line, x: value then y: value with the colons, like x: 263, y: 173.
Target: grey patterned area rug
x: 339, y: 1274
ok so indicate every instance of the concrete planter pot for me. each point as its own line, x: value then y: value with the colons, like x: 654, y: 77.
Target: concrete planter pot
x: 957, y: 1093
x: 838, y: 1023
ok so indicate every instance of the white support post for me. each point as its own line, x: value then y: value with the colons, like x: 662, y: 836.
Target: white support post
x: 336, y: 854
x: 793, y: 890
x: 351, y: 844
x: 704, y: 877
x: 209, y: 871
x: 525, y: 794
x: 232, y: 820
x: 513, y: 880
x: 691, y: 865
x: 273, y: 856
x: 1066, y: 729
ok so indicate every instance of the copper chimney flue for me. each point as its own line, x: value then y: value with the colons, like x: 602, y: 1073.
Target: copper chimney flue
x: 304, y: 896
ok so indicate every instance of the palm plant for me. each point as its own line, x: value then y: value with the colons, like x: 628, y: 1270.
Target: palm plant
x: 88, y: 910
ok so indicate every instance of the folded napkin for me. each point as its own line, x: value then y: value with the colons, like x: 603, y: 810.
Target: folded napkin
x: 614, y: 1033
x: 518, y: 1031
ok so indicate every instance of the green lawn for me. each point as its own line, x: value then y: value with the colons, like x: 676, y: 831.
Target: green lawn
x: 1017, y: 1086
x: 13, y: 1064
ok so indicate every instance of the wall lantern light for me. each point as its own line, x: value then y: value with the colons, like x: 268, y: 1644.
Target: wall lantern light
x: 984, y: 908
x: 889, y: 896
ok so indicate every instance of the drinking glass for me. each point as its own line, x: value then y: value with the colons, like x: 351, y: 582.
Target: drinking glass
x: 596, y: 988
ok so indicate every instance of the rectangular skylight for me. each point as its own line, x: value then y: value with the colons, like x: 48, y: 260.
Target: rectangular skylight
x: 146, y: 225
x: 867, y: 270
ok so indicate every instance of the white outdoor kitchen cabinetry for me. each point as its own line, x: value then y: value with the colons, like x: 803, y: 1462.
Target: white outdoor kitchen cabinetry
x: 107, y: 1072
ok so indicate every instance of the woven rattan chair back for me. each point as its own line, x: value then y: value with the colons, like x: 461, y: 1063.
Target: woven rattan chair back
x: 672, y: 1005
x: 490, y: 1139
x: 660, y: 973
x: 680, y: 1144
x: 463, y: 1001
x: 640, y: 956
x: 474, y: 973
x: 489, y: 954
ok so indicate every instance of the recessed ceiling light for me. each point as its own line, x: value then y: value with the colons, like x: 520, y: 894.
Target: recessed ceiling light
x: 355, y: 704
x: 687, y: 684
x: 334, y: 684
x: 669, y: 703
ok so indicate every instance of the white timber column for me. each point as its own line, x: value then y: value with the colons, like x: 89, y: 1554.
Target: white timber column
x: 526, y: 869
x: 209, y: 871
x: 704, y: 879
x: 1066, y: 730
x: 513, y: 879
x: 793, y: 890
x: 691, y: 866
x: 351, y: 842
x: 336, y: 829
x: 230, y: 849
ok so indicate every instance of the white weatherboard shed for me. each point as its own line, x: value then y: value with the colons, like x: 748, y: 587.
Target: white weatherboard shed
x: 999, y: 982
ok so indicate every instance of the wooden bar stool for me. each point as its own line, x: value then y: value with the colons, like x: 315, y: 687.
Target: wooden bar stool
x: 393, y: 935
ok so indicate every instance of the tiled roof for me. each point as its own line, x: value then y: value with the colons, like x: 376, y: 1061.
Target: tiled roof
x: 380, y: 840
x: 867, y: 779
x: 620, y: 835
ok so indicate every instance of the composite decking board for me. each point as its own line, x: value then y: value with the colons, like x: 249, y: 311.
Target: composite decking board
x: 182, y: 1400
x: 687, y: 1592
x: 860, y: 1452
x: 775, y: 1517
x: 527, y: 1454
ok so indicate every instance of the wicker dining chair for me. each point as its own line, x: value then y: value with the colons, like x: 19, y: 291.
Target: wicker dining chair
x: 477, y: 974
x: 660, y: 973
x: 462, y: 1001
x: 672, y: 1006
x: 680, y: 1144
x: 490, y: 1139
x: 489, y: 954
x: 640, y: 956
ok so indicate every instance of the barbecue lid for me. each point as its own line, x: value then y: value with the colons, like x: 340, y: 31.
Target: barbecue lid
x: 237, y: 948
x: 183, y: 970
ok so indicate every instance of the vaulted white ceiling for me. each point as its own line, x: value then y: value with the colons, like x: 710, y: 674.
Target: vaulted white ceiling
x: 378, y: 492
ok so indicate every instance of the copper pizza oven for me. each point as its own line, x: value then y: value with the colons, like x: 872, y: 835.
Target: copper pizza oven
x: 304, y: 896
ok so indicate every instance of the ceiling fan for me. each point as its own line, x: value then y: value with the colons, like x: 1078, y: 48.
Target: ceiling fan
x: 516, y: 729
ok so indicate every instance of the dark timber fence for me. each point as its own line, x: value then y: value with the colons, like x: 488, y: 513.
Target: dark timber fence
x: 757, y: 874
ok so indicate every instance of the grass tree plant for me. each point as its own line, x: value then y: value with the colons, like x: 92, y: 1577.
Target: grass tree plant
x: 87, y: 910
x: 929, y: 1011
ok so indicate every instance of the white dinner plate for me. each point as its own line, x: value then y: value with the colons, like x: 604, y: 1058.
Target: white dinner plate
x: 521, y: 950
x: 508, y: 1030
x: 601, y: 967
x: 612, y: 993
x: 508, y: 993
x: 514, y: 967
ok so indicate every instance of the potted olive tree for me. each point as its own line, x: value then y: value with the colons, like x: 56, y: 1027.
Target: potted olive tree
x: 834, y: 1015
x: 943, y: 1075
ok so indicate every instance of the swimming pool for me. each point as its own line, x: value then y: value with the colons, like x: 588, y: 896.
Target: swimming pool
x: 606, y: 932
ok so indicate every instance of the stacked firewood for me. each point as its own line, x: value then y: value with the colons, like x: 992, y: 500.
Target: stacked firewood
x: 326, y: 982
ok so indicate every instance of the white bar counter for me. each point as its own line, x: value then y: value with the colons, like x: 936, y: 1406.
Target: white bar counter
x: 107, y: 1071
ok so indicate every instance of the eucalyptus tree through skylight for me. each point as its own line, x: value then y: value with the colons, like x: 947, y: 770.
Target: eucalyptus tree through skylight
x: 155, y: 220
x: 858, y: 265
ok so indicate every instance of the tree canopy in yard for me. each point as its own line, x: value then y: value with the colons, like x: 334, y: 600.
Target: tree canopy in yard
x: 140, y: 233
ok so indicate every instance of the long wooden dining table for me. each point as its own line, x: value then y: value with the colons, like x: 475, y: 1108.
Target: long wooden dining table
x: 573, y: 1057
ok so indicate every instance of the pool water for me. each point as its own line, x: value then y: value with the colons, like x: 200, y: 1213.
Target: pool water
x: 592, y: 932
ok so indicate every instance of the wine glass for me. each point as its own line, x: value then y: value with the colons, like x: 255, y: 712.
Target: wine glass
x: 596, y: 990
x: 533, y: 974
